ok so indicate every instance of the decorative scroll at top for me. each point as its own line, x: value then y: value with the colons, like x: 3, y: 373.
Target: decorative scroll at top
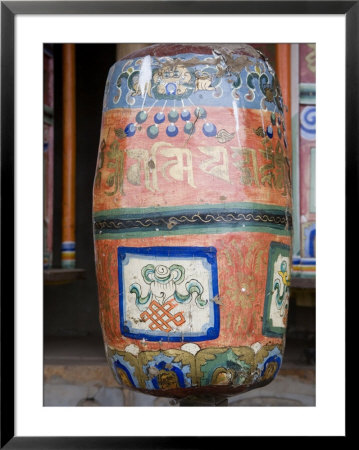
x: 192, y: 79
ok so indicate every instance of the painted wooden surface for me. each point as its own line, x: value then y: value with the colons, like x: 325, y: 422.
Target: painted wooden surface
x: 283, y: 70
x: 304, y: 260
x: 48, y: 132
x: 68, y: 254
x: 192, y: 220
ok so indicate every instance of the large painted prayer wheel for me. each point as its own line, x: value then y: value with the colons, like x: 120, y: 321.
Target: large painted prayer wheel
x: 192, y: 220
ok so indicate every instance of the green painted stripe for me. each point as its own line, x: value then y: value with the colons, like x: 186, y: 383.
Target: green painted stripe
x: 120, y: 212
x: 307, y: 93
x: 303, y: 274
x: 184, y: 231
x: 296, y: 181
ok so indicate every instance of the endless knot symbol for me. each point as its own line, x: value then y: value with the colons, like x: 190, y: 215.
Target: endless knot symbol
x: 160, y: 316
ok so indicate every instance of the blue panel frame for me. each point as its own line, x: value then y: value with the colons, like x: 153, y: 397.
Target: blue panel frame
x: 209, y: 253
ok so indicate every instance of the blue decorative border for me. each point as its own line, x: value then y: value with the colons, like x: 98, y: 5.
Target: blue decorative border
x: 117, y: 88
x: 303, y: 261
x: 208, y: 253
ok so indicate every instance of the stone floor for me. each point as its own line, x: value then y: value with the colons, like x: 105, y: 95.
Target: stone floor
x: 288, y: 389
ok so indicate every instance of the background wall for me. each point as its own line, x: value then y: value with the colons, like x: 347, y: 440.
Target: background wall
x: 71, y: 309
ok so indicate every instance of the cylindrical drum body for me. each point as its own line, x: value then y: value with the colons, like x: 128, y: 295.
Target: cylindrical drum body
x: 192, y: 220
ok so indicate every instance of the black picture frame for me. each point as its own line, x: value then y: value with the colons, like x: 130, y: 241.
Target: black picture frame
x: 9, y: 10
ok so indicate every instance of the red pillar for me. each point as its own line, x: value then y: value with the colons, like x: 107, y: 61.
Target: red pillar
x: 283, y: 71
x: 68, y: 254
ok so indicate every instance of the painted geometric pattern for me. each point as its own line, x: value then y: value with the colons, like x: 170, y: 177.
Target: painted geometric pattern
x: 277, y: 291
x: 190, y: 366
x: 167, y: 293
x: 308, y: 123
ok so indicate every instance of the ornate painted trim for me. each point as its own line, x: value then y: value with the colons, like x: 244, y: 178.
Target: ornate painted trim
x: 194, y: 367
x: 190, y: 78
x: 190, y: 220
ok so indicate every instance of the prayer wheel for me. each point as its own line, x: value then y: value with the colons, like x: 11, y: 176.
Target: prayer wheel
x: 192, y: 220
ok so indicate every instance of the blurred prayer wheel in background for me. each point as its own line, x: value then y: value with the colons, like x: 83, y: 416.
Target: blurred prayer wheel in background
x: 192, y: 220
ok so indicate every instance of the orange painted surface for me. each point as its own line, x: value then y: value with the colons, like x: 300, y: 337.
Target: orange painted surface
x: 242, y: 260
x: 283, y: 71
x: 69, y: 144
x: 193, y: 169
